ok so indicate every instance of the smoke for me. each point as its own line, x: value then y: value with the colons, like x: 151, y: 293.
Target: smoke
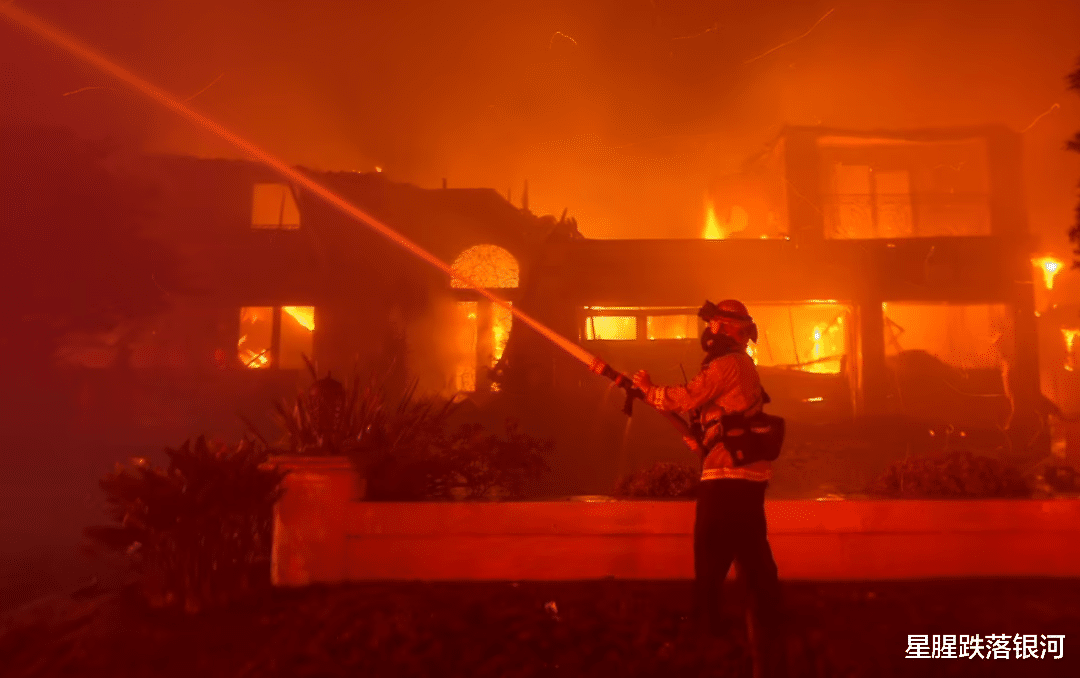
x: 624, y: 113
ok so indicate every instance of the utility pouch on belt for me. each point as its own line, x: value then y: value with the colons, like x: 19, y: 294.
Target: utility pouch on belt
x: 755, y: 438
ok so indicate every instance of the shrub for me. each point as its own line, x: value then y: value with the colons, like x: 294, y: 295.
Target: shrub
x: 954, y: 475
x: 475, y: 465
x: 662, y: 480
x: 404, y: 450
x: 199, y: 531
x: 468, y: 464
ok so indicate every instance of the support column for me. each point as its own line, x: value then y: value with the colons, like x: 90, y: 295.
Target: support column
x: 872, y: 384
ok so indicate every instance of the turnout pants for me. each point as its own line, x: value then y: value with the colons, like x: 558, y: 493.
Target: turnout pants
x: 730, y: 526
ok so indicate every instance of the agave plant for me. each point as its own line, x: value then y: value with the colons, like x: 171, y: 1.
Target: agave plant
x: 330, y: 420
x: 198, y: 531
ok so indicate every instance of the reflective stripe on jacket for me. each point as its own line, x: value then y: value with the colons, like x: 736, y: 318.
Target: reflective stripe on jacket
x: 728, y: 384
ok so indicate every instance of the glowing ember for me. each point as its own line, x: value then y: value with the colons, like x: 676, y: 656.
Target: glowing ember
x: 1050, y: 268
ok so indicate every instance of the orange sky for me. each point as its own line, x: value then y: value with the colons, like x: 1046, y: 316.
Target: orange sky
x: 622, y: 111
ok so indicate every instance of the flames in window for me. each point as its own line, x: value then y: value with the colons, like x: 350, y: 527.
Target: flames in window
x: 256, y: 336
x: 297, y: 326
x: 966, y: 336
x: 681, y: 326
x: 486, y: 266
x: 501, y: 319
x: 293, y: 325
x: 810, y: 337
x: 482, y: 327
x: 610, y: 328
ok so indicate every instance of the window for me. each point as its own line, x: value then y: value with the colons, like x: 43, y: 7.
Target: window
x: 679, y: 326
x: 810, y: 337
x: 275, y: 336
x: 482, y: 327
x: 486, y: 266
x: 624, y: 323
x: 274, y: 206
x: 610, y: 328
x: 963, y: 336
x: 892, y: 188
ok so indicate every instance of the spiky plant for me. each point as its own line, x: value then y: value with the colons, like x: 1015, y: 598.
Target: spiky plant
x: 200, y: 530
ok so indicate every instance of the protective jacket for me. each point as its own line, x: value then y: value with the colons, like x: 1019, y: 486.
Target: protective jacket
x: 728, y: 384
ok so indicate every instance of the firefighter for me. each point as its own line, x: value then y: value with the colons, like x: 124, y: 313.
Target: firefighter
x: 730, y: 514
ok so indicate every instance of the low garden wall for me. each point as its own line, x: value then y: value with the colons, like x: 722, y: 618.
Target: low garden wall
x: 322, y: 534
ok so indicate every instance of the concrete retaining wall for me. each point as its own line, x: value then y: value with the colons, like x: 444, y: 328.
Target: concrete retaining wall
x: 323, y: 535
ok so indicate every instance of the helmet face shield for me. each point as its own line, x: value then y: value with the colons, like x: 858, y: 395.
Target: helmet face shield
x: 735, y: 320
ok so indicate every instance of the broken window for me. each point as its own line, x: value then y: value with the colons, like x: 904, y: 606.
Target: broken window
x: 274, y: 206
x: 811, y: 337
x: 275, y: 336
x: 892, y: 188
x: 960, y: 335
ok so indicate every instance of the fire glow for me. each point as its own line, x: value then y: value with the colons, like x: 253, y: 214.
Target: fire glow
x: 1070, y: 345
x: 1050, y: 267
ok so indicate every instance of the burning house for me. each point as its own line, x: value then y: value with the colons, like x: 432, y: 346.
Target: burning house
x: 890, y: 274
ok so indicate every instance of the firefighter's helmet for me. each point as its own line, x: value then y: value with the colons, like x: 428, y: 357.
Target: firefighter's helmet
x: 734, y: 317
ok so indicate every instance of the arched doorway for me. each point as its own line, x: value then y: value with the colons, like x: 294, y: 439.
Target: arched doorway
x: 483, y: 327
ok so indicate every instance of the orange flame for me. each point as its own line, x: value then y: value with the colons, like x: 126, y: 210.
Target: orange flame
x: 1050, y: 266
x: 1070, y: 344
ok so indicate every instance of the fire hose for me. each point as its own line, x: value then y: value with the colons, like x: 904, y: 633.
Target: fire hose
x: 89, y: 56
x: 624, y: 382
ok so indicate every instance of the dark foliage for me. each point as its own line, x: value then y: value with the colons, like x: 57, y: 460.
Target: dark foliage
x: 953, y: 475
x: 330, y: 420
x: 661, y: 480
x: 405, y: 450
x: 475, y: 465
x: 199, y: 531
x: 467, y: 464
x: 1060, y: 478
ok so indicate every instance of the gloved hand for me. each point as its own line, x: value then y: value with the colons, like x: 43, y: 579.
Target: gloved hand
x: 642, y: 381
